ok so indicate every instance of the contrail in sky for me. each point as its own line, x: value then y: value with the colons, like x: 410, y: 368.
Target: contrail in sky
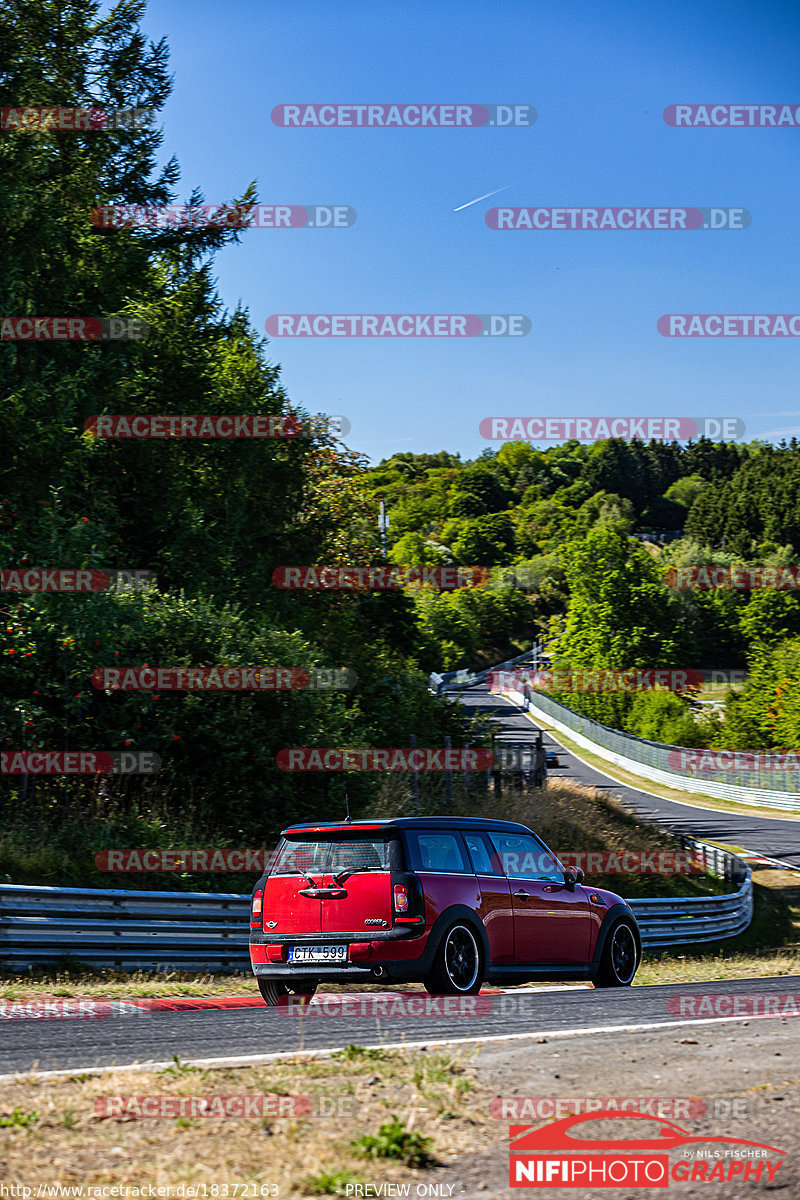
x: 479, y: 198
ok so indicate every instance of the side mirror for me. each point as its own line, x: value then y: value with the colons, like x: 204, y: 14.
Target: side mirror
x: 572, y: 876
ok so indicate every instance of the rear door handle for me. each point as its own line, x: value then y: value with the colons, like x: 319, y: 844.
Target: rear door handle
x: 522, y: 894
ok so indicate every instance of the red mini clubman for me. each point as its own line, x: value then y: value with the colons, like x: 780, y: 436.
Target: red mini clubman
x: 445, y: 901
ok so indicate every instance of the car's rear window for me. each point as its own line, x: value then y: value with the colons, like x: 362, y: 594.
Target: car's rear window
x: 328, y: 855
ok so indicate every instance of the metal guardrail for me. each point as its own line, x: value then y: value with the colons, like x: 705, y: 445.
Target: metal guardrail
x: 128, y: 930
x: 652, y: 759
x: 675, y: 922
x: 454, y: 680
x: 199, y: 931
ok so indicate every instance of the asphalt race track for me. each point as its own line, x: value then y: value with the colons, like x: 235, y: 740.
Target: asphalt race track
x: 247, y: 1034
x: 773, y: 836
x: 79, y: 1045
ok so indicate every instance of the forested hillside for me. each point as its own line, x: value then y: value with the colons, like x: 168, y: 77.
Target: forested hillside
x: 593, y: 531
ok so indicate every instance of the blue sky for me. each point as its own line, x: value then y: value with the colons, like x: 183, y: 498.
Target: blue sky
x: 599, y: 77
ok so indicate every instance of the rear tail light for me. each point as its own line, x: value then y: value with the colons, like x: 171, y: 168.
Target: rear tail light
x: 407, y: 899
x: 255, y: 912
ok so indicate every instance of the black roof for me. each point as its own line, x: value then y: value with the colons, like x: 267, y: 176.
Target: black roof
x: 408, y: 823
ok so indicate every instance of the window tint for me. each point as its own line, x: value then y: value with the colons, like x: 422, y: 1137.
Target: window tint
x: 438, y: 852
x: 525, y: 857
x: 480, y: 853
x: 315, y: 857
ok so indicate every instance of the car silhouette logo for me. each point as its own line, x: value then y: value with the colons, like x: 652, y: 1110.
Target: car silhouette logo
x: 557, y: 1135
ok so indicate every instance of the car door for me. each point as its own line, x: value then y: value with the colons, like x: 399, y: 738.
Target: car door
x: 496, y: 909
x: 552, y: 922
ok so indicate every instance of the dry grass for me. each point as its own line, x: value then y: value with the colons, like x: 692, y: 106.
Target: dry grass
x: 119, y: 985
x: 433, y: 1094
x: 116, y: 985
x: 696, y: 968
x: 570, y: 816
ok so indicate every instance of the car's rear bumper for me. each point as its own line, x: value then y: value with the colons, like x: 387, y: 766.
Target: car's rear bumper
x: 390, y: 972
x: 397, y: 955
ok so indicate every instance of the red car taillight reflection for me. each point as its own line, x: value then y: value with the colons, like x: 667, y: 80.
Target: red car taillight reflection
x: 400, y: 898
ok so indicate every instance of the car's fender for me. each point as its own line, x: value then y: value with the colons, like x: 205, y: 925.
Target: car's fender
x: 456, y: 912
x: 612, y: 918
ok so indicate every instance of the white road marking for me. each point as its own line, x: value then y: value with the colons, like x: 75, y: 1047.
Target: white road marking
x: 256, y: 1060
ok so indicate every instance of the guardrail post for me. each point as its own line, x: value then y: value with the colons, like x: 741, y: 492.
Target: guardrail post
x: 412, y: 741
x: 448, y: 777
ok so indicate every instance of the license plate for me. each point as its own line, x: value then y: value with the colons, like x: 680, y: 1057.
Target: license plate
x: 317, y: 954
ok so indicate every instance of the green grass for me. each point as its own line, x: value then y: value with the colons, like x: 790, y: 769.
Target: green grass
x: 352, y: 1052
x: 394, y: 1141
x: 19, y: 1119
x: 330, y: 1183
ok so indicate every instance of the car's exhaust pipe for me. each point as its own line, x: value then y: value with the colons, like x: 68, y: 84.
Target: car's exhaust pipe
x: 379, y: 972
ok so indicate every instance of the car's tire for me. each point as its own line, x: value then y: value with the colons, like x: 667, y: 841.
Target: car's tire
x: 458, y: 963
x: 620, y: 957
x: 272, y: 989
